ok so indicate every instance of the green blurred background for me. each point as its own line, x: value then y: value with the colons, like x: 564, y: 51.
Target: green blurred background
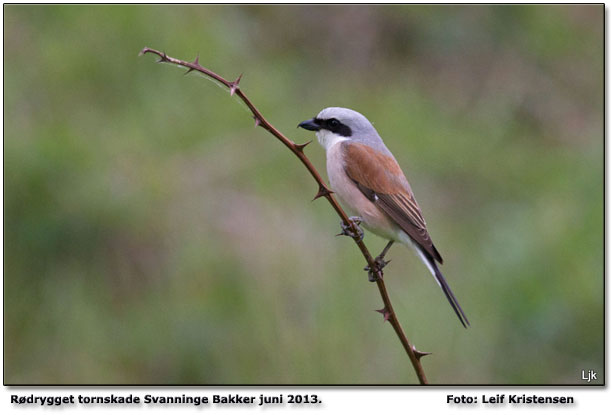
x: 153, y: 235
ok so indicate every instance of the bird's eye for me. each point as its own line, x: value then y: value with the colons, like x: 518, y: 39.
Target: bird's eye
x: 333, y: 123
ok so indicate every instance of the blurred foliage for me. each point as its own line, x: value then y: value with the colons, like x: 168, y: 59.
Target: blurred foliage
x: 152, y: 235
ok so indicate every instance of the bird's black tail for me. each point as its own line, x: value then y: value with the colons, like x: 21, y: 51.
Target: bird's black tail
x: 435, y: 271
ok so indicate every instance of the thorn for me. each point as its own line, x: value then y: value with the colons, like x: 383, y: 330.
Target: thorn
x: 323, y: 192
x: 418, y: 353
x: 257, y: 122
x: 163, y: 58
x: 385, y: 313
x: 195, y: 62
x: 300, y: 147
x: 234, y: 85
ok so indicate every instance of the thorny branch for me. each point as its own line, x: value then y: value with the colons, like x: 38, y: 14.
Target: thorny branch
x: 324, y: 191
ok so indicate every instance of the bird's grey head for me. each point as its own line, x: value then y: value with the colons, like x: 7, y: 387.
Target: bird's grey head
x: 335, y: 124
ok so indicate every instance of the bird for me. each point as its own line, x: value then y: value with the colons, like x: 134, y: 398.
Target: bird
x: 371, y: 185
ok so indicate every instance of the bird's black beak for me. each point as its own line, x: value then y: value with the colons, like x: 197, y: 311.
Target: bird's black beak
x: 310, y: 125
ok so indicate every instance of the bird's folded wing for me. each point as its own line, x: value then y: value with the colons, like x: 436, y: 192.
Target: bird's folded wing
x: 381, y: 180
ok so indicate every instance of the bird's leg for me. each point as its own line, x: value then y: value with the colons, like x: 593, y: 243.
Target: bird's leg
x: 380, y: 259
x: 380, y: 262
x: 347, y: 230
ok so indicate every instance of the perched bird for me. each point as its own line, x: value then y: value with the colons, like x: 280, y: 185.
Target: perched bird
x: 370, y: 184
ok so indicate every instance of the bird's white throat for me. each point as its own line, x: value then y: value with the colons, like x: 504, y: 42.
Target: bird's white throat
x: 328, y: 139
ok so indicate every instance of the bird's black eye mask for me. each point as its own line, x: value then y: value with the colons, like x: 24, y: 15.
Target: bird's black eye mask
x: 334, y: 126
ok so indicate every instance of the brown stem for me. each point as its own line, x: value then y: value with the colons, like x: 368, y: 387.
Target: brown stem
x: 324, y: 191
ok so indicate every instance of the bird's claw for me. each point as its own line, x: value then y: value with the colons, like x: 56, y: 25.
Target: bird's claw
x: 347, y: 230
x: 380, y: 263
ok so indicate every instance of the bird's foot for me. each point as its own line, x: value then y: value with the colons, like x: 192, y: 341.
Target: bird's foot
x: 379, y: 263
x: 347, y: 230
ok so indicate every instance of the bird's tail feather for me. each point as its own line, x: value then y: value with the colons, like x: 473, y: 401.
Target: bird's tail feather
x: 435, y: 271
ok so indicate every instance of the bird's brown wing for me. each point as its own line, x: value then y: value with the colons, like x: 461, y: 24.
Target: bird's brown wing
x: 381, y: 180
